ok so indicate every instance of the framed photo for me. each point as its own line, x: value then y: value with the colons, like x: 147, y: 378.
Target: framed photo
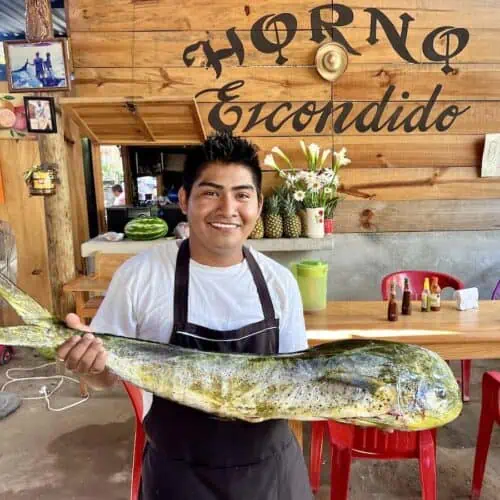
x: 40, y: 115
x: 37, y: 66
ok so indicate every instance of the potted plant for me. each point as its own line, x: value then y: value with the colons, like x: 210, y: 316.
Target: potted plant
x: 42, y: 179
x: 314, y: 188
x: 330, y: 208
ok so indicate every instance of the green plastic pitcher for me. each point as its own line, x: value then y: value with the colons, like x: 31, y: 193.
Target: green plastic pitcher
x: 312, y: 277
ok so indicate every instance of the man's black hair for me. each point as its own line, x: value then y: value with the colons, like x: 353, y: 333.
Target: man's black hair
x: 117, y: 188
x: 222, y: 148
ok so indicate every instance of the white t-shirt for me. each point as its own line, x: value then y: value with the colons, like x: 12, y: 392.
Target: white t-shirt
x: 139, y: 300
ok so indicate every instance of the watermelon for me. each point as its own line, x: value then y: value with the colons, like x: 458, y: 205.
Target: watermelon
x: 146, y: 228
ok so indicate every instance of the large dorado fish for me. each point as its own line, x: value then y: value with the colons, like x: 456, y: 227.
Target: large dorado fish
x: 371, y: 383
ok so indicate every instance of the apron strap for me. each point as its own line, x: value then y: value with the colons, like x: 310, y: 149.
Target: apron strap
x: 181, y: 287
x: 181, y: 292
x: 260, y: 283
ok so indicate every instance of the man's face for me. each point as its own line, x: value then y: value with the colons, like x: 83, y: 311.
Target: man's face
x: 222, y: 208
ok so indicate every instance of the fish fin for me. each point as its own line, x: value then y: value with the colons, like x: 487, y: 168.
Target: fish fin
x: 30, y: 311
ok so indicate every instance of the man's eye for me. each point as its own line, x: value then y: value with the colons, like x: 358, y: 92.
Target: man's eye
x: 210, y: 193
x: 244, y: 196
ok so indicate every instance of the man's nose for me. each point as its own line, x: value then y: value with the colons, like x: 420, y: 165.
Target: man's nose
x: 227, y: 205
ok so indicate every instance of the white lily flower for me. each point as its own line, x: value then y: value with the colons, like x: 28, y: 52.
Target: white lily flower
x: 304, y: 150
x: 328, y: 190
x: 279, y: 152
x: 340, y: 158
x: 324, y: 156
x: 299, y: 195
x: 269, y: 161
x: 314, y: 154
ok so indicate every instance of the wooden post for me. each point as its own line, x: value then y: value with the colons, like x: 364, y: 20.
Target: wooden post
x: 99, y: 188
x: 58, y: 215
x: 127, y: 176
x: 38, y: 20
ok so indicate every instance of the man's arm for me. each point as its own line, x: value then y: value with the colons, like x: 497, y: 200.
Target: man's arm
x: 293, y: 336
x: 85, y: 354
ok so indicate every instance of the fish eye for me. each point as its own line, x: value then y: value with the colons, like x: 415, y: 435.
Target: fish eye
x: 441, y: 393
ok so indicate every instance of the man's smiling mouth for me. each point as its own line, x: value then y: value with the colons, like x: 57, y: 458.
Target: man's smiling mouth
x: 224, y: 225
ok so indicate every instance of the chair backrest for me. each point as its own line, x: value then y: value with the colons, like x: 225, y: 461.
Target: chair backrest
x: 106, y: 264
x: 135, y: 395
x: 496, y: 292
x: 416, y: 279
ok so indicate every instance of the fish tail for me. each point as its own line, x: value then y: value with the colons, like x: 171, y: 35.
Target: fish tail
x: 30, y: 311
x: 32, y: 336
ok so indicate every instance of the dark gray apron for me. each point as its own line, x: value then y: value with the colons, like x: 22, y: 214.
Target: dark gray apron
x: 191, y: 455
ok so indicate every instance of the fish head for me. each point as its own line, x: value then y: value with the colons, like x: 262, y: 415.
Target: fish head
x: 435, y: 399
x: 425, y: 400
x: 427, y: 393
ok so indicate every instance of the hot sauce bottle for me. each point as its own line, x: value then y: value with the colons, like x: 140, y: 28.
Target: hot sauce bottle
x: 406, y: 304
x: 435, y: 296
x: 426, y: 292
x: 392, y: 307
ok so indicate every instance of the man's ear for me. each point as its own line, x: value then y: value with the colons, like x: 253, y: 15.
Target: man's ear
x: 261, y: 203
x: 183, y: 200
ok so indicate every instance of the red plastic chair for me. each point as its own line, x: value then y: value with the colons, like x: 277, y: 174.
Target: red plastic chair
x: 490, y: 413
x: 349, y: 441
x: 416, y: 279
x: 135, y: 395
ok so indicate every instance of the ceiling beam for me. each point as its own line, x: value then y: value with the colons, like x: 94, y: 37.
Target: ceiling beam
x: 134, y: 111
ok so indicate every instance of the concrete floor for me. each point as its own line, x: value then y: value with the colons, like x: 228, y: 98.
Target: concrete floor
x: 84, y: 453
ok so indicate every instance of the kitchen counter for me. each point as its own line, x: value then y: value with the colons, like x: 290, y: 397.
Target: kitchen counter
x: 98, y: 244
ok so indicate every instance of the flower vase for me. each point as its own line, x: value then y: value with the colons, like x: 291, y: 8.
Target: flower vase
x: 329, y: 226
x: 315, y: 222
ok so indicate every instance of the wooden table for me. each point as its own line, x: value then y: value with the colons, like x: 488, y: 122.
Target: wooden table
x: 453, y: 334
x: 473, y: 334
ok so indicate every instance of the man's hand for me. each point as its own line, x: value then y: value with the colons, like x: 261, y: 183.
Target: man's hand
x: 85, y: 354
x: 82, y: 354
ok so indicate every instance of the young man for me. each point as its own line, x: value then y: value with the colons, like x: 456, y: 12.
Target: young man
x: 213, y: 294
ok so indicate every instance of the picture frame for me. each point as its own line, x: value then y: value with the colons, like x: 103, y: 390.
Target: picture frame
x: 40, y: 66
x: 40, y: 115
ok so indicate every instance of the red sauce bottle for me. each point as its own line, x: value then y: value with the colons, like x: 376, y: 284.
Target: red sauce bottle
x: 406, y: 305
x: 392, y: 307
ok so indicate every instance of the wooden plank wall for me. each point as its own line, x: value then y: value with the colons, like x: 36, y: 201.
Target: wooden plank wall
x: 398, y: 181
x: 26, y: 214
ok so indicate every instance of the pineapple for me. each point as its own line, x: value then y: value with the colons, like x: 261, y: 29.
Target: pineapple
x: 292, y: 226
x: 258, y: 231
x: 303, y: 220
x: 273, y: 223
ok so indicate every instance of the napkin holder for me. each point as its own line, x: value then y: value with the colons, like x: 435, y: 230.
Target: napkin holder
x: 467, y: 298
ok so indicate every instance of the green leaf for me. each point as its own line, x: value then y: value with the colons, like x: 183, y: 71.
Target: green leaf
x: 11, y: 133
x: 9, y: 97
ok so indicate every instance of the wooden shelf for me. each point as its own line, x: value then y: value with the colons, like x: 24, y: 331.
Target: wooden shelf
x: 264, y: 245
x: 137, y: 121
